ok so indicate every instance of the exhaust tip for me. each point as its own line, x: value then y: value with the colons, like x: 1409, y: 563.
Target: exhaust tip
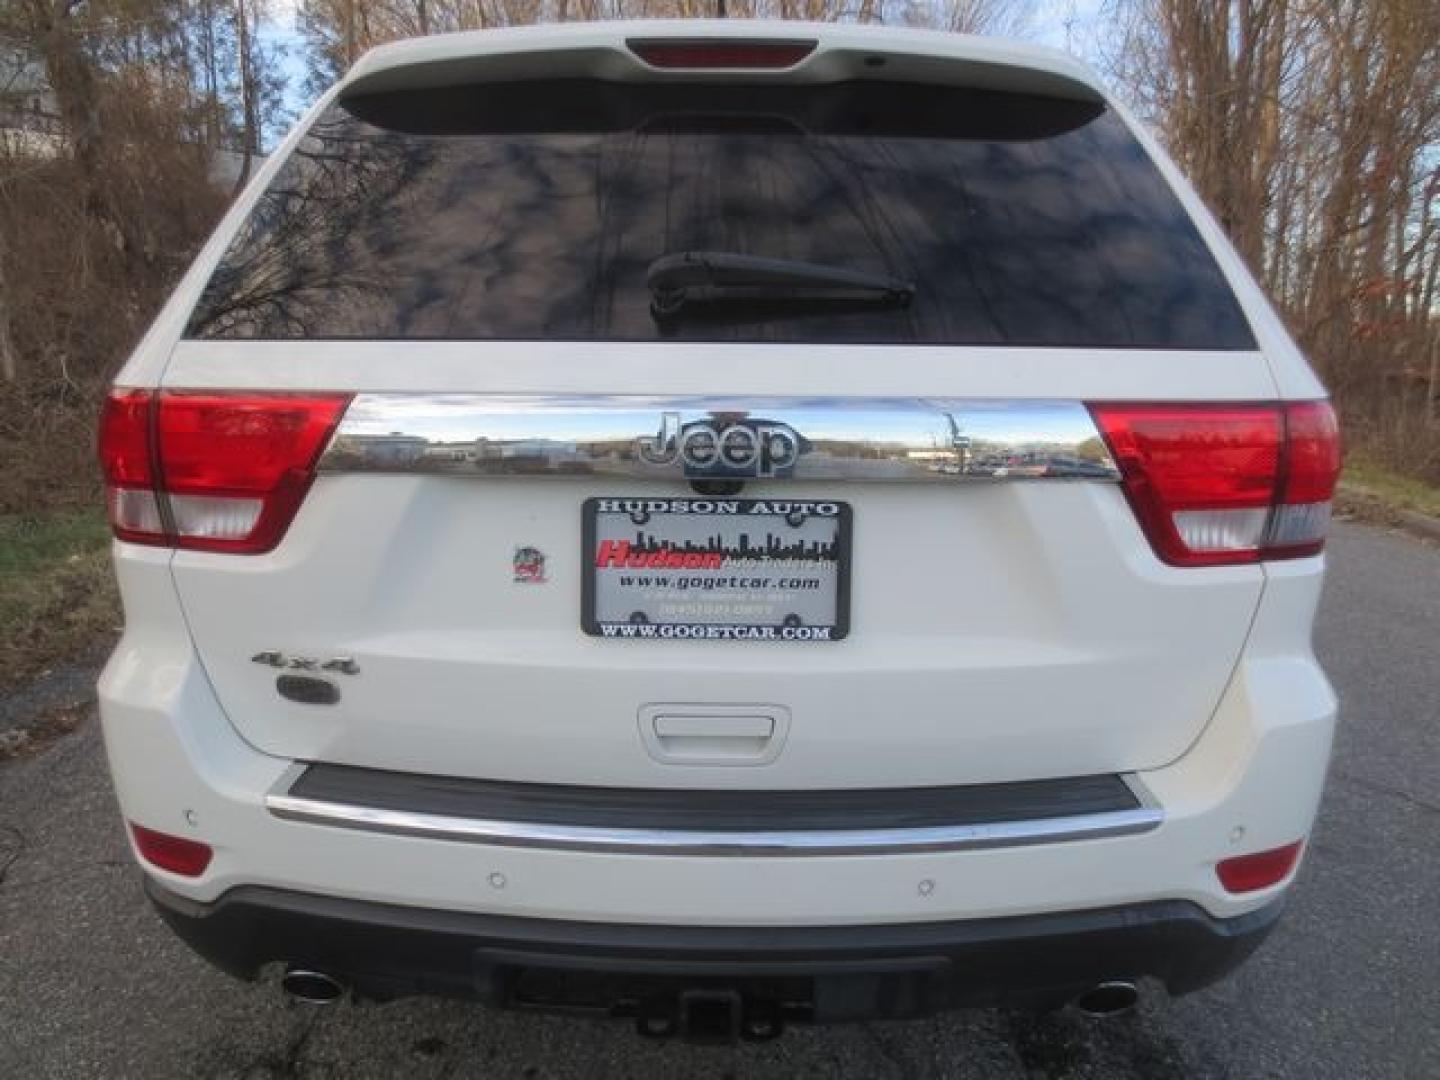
x: 1107, y: 999
x: 311, y: 987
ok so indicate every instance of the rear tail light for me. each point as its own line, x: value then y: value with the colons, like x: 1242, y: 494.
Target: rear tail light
x: 1311, y: 468
x: 128, y: 460
x: 211, y: 471
x: 177, y: 854
x: 1214, y: 484
x: 712, y: 55
x: 1246, y: 873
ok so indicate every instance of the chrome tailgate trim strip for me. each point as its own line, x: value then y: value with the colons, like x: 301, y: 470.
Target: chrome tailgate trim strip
x: 698, y: 438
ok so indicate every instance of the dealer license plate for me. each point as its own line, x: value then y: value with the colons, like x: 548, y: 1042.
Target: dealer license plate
x: 716, y: 569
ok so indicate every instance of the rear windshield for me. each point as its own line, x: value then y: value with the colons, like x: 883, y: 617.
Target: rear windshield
x: 533, y: 210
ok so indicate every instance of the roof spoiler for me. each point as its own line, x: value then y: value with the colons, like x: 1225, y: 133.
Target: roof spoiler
x: 733, y: 51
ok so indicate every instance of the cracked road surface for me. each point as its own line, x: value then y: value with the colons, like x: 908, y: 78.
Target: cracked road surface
x: 92, y: 985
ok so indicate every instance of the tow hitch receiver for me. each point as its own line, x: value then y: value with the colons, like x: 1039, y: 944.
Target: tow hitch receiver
x: 711, y: 1015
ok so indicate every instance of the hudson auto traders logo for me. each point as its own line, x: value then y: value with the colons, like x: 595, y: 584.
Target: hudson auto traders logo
x: 723, y: 446
x: 621, y: 553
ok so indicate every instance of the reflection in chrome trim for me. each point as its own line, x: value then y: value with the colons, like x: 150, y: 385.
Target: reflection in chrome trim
x: 1143, y: 795
x: 659, y: 438
x: 792, y: 843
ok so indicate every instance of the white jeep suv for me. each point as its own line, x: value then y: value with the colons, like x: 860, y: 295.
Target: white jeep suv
x: 719, y: 523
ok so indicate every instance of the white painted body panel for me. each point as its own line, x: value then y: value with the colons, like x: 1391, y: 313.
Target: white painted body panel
x: 730, y: 370
x: 991, y: 628
x: 1015, y: 631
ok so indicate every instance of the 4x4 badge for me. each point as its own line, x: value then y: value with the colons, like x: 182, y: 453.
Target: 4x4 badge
x: 529, y: 566
x: 344, y: 665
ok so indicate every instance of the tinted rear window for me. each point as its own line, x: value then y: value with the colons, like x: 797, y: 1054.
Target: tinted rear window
x: 532, y: 211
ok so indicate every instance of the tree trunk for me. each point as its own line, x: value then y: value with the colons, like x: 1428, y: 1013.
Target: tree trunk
x: 71, y: 77
x: 9, y: 362
x: 68, y: 71
x: 249, y: 107
x: 212, y: 77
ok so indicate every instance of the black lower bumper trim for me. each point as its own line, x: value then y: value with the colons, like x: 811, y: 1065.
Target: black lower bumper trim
x: 813, y: 973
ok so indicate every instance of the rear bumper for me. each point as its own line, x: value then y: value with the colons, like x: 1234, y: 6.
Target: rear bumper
x: 822, y: 973
x: 1250, y: 783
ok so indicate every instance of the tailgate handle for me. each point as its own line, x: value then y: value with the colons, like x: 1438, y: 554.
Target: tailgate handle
x: 714, y: 734
x: 709, y: 727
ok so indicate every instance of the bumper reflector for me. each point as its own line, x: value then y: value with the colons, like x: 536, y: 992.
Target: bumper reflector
x: 188, y: 858
x: 1247, y: 873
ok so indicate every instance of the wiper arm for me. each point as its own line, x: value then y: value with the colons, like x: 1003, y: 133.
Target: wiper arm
x: 688, y: 277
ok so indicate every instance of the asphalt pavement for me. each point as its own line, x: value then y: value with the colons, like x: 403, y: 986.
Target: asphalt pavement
x: 92, y: 984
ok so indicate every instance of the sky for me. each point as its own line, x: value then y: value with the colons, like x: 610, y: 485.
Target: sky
x: 1058, y: 23
x: 280, y: 30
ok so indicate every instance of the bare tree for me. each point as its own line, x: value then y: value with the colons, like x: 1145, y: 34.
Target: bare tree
x: 1311, y: 127
x: 249, y: 93
x: 1005, y: 18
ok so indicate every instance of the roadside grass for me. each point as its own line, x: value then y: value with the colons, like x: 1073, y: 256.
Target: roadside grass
x: 1393, y: 489
x: 57, y: 591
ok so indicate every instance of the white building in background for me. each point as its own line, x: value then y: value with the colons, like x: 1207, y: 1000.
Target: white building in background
x: 30, y: 123
x: 227, y: 165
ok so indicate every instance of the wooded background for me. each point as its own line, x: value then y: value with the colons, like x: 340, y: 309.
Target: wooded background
x: 1311, y: 127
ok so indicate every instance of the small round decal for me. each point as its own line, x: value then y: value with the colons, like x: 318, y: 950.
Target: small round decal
x: 529, y: 566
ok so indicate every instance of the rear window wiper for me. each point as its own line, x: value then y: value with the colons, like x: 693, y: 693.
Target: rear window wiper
x: 706, y: 277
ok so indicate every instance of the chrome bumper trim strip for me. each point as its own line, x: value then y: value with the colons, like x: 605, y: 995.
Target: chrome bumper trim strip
x: 788, y: 844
